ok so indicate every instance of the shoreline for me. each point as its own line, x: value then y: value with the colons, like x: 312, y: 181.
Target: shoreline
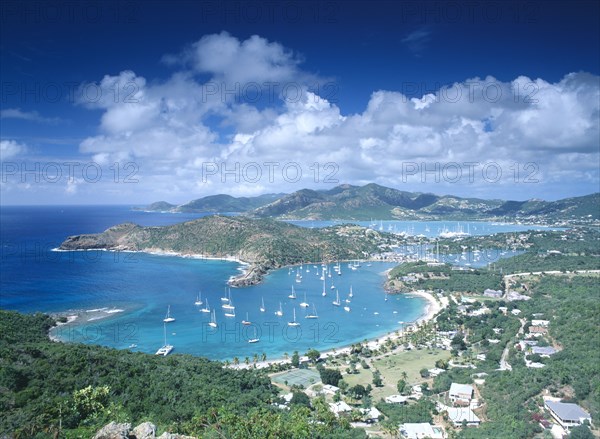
x: 431, y: 309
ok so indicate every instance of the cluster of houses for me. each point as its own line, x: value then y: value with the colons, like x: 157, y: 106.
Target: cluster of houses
x: 530, y: 344
x: 459, y: 410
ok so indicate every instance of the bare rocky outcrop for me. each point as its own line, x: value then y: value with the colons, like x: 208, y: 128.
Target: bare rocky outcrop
x: 145, y: 430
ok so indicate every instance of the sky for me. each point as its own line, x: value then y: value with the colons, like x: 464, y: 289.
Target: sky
x: 133, y: 102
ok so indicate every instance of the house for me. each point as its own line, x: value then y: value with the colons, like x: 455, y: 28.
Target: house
x: 339, y: 407
x: 422, y: 430
x: 543, y: 323
x: 328, y: 389
x: 544, y: 351
x: 513, y: 296
x: 461, y: 393
x: 457, y: 415
x: 537, y: 331
x: 435, y: 371
x: 567, y: 414
x: 481, y: 357
x: 515, y: 312
x: 371, y: 414
x: 493, y: 293
x: 396, y: 399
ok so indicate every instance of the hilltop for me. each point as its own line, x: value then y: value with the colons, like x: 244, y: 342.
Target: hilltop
x: 373, y: 201
x: 263, y: 243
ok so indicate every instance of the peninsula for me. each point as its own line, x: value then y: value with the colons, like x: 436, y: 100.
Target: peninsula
x: 263, y: 244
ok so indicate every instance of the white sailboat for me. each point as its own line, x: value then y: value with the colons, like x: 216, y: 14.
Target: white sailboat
x: 225, y: 298
x: 206, y: 307
x: 229, y: 304
x: 247, y: 320
x: 166, y: 348
x: 294, y: 322
x: 262, y: 305
x: 279, y: 312
x: 198, y: 301
x: 292, y: 295
x: 351, y: 293
x: 337, y: 302
x: 324, y: 293
x: 304, y: 304
x: 313, y: 315
x: 230, y: 312
x: 168, y: 318
x: 347, y: 308
x: 213, y: 320
x: 255, y: 339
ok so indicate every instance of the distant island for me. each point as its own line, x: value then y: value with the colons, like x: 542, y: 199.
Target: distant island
x: 264, y: 244
x: 372, y: 201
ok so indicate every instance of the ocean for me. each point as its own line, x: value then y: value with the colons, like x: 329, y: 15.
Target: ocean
x: 122, y: 297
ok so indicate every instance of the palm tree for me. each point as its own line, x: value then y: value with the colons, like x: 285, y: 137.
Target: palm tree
x: 255, y: 358
x: 247, y: 360
x: 236, y: 360
x: 263, y: 357
x: 286, y: 356
x: 404, y: 375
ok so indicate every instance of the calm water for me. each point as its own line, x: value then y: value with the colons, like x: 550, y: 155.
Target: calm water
x: 122, y: 297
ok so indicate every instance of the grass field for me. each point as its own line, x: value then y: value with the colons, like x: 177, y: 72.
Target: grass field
x: 391, y: 366
x: 299, y: 377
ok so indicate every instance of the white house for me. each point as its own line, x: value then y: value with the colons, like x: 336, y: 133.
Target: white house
x: 329, y: 389
x: 457, y: 415
x: 422, y: 430
x: 371, y: 414
x: 567, y: 414
x: 461, y: 393
x: 543, y: 323
x: 396, y: 399
x: 339, y: 407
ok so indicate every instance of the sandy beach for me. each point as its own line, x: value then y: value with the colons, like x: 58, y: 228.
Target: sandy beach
x: 431, y: 309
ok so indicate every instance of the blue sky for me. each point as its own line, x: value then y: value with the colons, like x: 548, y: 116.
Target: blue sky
x: 106, y: 102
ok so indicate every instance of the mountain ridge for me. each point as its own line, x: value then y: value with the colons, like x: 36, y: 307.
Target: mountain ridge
x: 375, y: 201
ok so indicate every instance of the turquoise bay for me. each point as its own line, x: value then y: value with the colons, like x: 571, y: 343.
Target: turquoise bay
x: 121, y: 298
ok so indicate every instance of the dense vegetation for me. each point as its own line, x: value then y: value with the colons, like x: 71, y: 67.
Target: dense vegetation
x: 442, y: 277
x: 43, y: 383
x: 513, y: 399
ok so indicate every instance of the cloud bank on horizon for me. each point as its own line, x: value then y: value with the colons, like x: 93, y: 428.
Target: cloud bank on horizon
x: 242, y: 117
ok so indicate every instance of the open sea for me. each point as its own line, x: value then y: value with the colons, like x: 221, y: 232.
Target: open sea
x: 121, y: 298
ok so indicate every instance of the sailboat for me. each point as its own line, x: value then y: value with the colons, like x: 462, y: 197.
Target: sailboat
x: 213, y: 320
x: 229, y: 304
x: 351, y: 293
x: 347, y: 308
x: 337, y: 302
x: 262, y: 306
x: 230, y: 312
x: 168, y: 318
x: 292, y: 295
x: 294, y: 322
x: 313, y: 315
x: 226, y: 298
x: 166, y: 348
x: 246, y: 321
x: 386, y: 296
x: 255, y: 339
x: 304, y: 304
x: 324, y: 293
x: 279, y: 312
x: 198, y: 301
x: 206, y: 307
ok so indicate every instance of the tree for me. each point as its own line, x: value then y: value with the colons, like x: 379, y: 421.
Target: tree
x: 402, y: 386
x: 295, y: 359
x: 300, y: 398
x: 441, y: 364
x: 313, y: 355
x: 343, y: 385
x: 90, y: 401
x: 330, y: 376
x: 581, y: 432
x: 236, y: 360
x: 357, y: 391
x: 377, y: 381
x: 424, y: 373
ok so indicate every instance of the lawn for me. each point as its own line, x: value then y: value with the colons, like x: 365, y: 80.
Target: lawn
x: 391, y: 366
